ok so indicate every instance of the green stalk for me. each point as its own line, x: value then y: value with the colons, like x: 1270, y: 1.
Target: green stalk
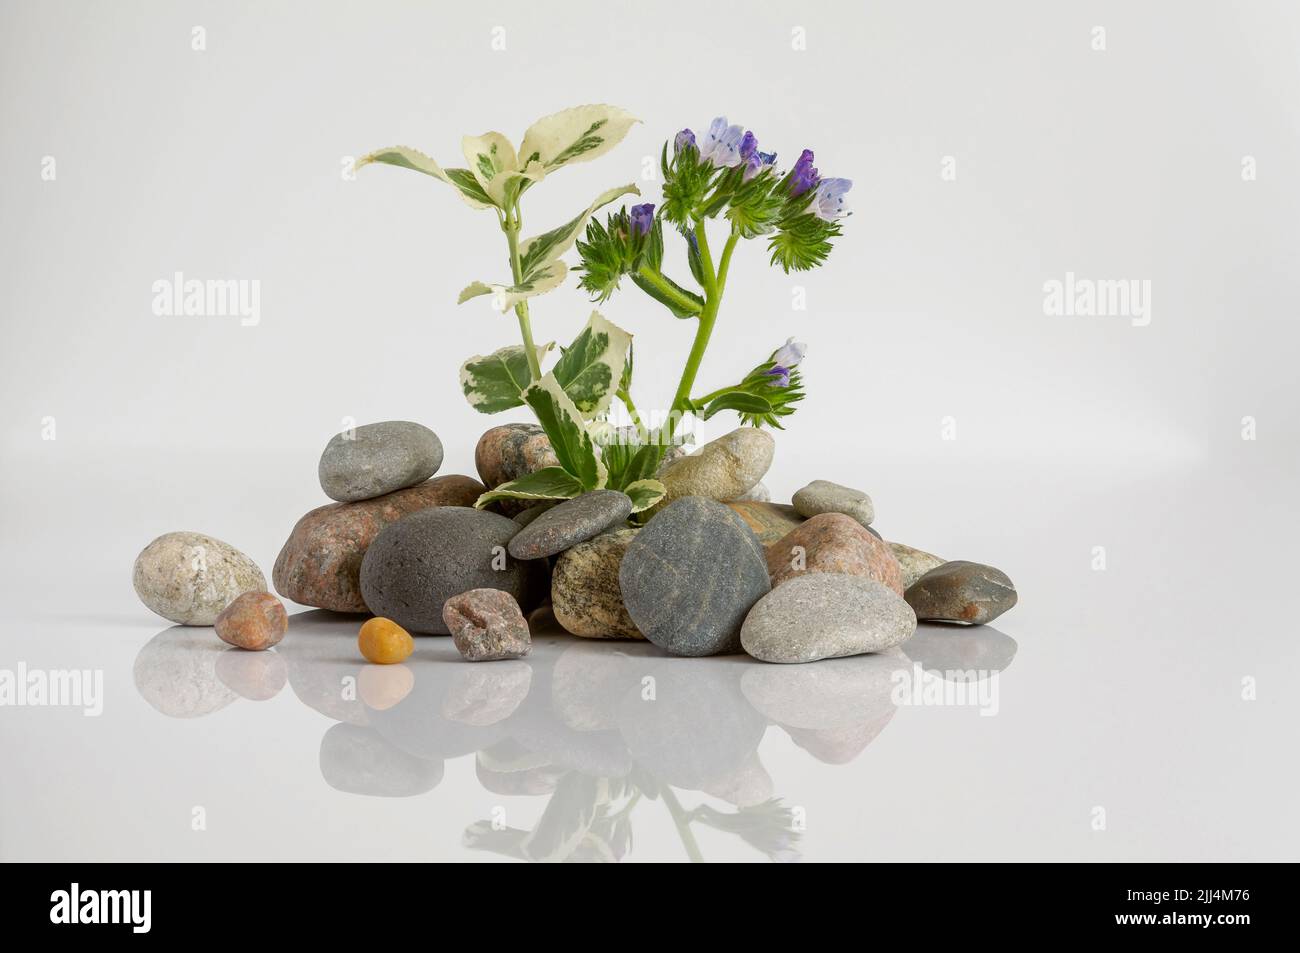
x: 641, y: 430
x: 714, y: 285
x: 511, y: 225
x: 666, y: 288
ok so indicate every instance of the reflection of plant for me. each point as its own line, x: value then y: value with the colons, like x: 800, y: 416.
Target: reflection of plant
x: 589, y: 820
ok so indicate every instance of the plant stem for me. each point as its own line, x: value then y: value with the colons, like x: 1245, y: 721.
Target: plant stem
x: 658, y: 280
x: 682, y: 821
x: 511, y: 225
x: 714, y: 285
x: 626, y: 398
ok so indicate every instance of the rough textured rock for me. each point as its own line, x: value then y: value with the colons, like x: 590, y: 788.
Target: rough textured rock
x: 486, y: 624
x: 962, y: 591
x: 769, y: 521
x: 823, y: 496
x: 507, y: 452
x: 722, y: 469
x: 690, y: 576
x: 376, y: 459
x: 835, y: 543
x: 570, y: 523
x: 254, y: 621
x: 320, y: 564
x: 415, y: 565
x: 826, y: 615
x: 585, y: 594
x: 758, y: 493
x: 190, y: 578
x: 486, y: 694
x: 914, y: 563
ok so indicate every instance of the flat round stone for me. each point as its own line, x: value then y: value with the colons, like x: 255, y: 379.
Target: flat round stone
x: 573, y: 521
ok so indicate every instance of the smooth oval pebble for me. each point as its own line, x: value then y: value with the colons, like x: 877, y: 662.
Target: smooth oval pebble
x: 826, y: 615
x: 384, y: 642
x: 415, y: 565
x: 961, y: 591
x: 571, y: 522
x: 190, y: 578
x: 823, y: 496
x: 376, y: 459
x: 254, y: 621
x: 690, y: 576
x: 722, y: 469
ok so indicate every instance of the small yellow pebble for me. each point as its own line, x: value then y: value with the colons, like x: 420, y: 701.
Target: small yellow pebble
x: 384, y: 642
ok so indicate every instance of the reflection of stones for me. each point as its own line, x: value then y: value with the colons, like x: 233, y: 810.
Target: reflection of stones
x: 359, y: 761
x: 486, y: 694
x: 697, y: 728
x: 322, y: 666
x: 948, y: 649
x: 834, y: 693
x: 589, y: 680
x: 257, y: 676
x: 748, y: 785
x: 176, y: 672
x: 383, y: 686
x: 509, y: 768
x: 839, y: 745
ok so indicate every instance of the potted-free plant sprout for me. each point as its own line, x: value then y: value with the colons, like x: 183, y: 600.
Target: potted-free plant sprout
x: 723, y: 179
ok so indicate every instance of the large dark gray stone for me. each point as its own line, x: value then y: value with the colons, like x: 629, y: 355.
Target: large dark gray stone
x: 690, y: 576
x: 375, y: 459
x: 573, y: 521
x: 418, y: 563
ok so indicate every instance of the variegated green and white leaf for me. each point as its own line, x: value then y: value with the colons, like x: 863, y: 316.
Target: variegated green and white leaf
x: 590, y: 368
x: 645, y: 494
x: 506, y: 187
x: 545, y: 278
x: 557, y: 241
x: 575, y: 135
x: 573, y: 446
x: 487, y: 155
x: 548, y: 483
x: 496, y: 382
x: 404, y: 157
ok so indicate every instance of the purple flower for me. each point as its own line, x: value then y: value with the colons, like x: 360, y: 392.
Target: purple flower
x: 790, y: 353
x: 804, y: 174
x: 829, y: 204
x: 748, y: 145
x: 722, y: 144
x: 780, y: 375
x: 756, y: 163
x: 684, y: 139
x: 643, y: 217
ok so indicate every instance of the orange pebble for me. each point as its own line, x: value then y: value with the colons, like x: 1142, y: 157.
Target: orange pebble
x: 384, y: 642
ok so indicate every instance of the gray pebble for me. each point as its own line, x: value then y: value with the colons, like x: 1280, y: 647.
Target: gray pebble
x: 375, y: 459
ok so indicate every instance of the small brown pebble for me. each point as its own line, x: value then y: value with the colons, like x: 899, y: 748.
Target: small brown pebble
x: 486, y: 624
x: 256, y: 621
x: 384, y: 642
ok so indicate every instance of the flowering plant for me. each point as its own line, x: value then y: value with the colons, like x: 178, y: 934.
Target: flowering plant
x: 726, y: 175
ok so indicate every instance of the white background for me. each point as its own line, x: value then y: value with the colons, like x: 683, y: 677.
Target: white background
x: 1072, y: 432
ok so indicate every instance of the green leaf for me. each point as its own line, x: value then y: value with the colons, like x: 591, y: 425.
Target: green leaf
x: 625, y: 379
x: 575, y: 135
x: 563, y: 423
x: 544, y: 279
x: 592, y: 365
x: 645, y: 494
x: 496, y: 382
x: 739, y: 401
x: 488, y: 155
x: 551, y: 245
x: 548, y: 483
x: 404, y: 157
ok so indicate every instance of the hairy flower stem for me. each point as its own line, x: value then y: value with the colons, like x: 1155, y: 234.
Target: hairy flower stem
x: 667, y: 290
x: 511, y: 225
x: 714, y: 285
